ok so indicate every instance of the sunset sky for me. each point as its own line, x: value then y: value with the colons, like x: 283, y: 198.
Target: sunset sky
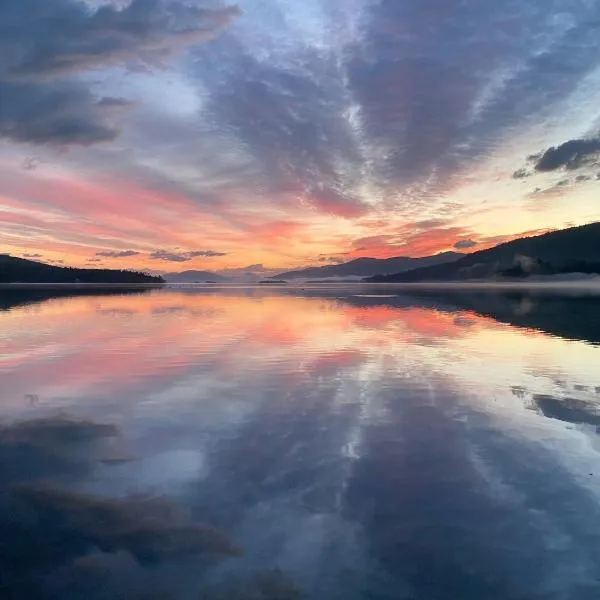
x: 270, y: 134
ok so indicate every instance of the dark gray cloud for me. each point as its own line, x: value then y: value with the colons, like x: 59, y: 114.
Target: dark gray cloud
x: 31, y: 163
x: 465, y: 244
x: 573, y: 154
x: 207, y: 253
x: 117, y: 253
x: 45, y: 44
x: 58, y: 113
x: 521, y: 173
x: 32, y: 256
x: 184, y: 256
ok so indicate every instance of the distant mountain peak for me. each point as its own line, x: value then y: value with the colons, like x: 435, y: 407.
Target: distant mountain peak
x: 194, y: 276
x: 367, y: 267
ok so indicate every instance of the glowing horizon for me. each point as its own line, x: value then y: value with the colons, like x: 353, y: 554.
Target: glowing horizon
x: 267, y: 136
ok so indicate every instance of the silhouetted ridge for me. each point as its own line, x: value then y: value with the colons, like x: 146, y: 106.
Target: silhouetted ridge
x: 20, y: 270
x: 573, y: 250
x: 366, y: 267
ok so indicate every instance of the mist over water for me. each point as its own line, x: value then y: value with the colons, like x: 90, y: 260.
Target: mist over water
x: 317, y: 443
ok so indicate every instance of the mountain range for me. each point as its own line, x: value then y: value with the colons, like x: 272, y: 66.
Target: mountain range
x: 576, y: 249
x: 193, y: 276
x: 368, y: 267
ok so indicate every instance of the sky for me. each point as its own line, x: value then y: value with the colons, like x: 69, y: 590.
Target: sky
x: 167, y: 135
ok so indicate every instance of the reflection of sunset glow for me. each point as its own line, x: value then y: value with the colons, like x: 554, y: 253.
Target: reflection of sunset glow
x: 69, y: 348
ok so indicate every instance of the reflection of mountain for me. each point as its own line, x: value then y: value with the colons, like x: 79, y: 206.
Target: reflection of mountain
x: 557, y: 249
x: 573, y: 316
x: 367, y: 267
x: 10, y: 298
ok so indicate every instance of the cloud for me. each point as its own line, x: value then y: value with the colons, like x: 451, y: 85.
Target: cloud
x: 573, y: 154
x: 207, y: 253
x: 109, y: 102
x: 31, y: 163
x: 408, y: 241
x: 292, y: 122
x: 465, y: 244
x: 117, y: 253
x: 346, y: 114
x: 45, y: 46
x: 60, y: 113
x: 32, y: 256
x: 184, y: 256
x: 336, y: 260
x: 521, y: 173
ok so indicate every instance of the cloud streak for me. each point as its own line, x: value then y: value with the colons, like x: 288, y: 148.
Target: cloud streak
x: 184, y: 256
x: 118, y: 253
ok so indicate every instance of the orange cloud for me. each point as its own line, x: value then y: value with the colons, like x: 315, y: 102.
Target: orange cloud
x: 407, y: 243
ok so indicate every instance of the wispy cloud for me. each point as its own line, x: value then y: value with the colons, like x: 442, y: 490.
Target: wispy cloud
x: 118, y: 253
x: 184, y: 256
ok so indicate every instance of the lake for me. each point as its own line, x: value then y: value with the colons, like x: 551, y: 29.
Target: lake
x: 319, y: 443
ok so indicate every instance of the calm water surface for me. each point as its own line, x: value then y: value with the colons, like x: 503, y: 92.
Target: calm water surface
x: 275, y: 444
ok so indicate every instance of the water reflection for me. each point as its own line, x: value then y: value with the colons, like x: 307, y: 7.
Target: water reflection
x: 252, y: 443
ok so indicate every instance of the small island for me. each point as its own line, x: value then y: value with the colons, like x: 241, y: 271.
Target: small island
x: 272, y: 282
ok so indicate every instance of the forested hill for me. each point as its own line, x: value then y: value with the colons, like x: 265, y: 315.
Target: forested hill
x: 20, y: 270
x: 576, y: 249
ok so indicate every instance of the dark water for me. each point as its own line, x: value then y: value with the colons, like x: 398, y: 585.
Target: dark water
x: 277, y: 444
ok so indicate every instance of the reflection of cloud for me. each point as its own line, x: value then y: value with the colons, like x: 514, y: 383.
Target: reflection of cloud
x: 54, y: 447
x: 267, y: 585
x: 45, y: 527
x: 570, y: 410
x: 379, y: 471
x: 331, y: 363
